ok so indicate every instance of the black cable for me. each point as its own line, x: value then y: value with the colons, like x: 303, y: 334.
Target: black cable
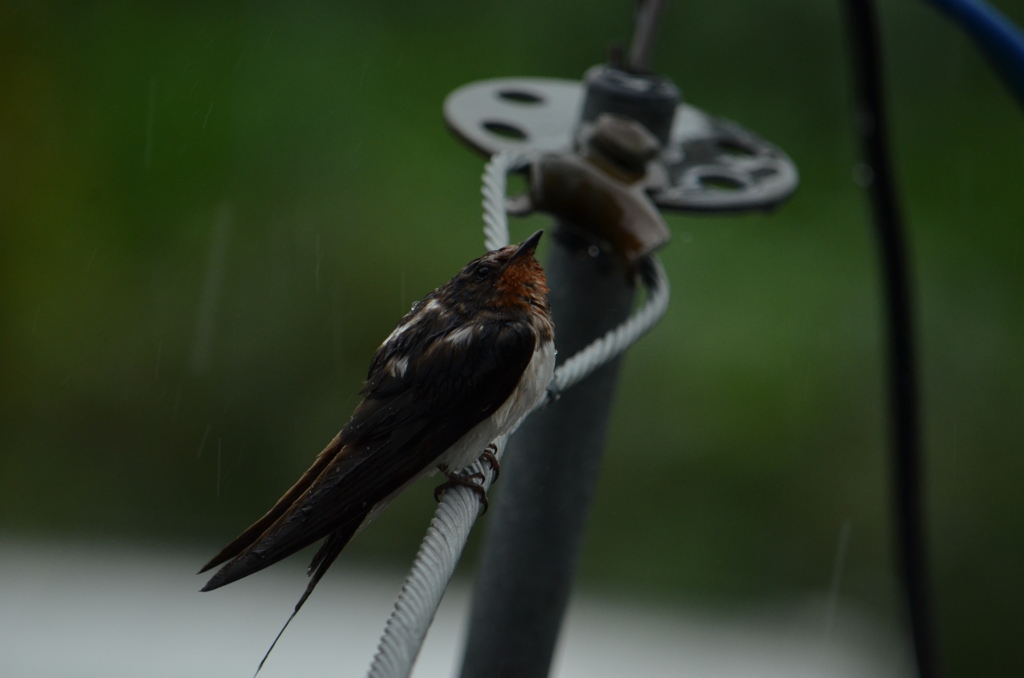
x: 903, y: 395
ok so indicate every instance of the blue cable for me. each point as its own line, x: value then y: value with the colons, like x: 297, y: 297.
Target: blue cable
x: 998, y: 37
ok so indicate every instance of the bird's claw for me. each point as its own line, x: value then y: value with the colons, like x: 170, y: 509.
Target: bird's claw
x: 455, y: 480
x: 490, y: 456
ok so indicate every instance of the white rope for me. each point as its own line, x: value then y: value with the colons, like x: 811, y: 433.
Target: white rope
x: 431, y: 571
x: 614, y: 342
x: 493, y: 190
x: 459, y: 507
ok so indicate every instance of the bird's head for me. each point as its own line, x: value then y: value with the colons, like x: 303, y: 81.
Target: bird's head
x: 503, y: 279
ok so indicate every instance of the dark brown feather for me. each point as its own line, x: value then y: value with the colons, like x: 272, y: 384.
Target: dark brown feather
x: 453, y: 360
x: 248, y: 537
x: 447, y: 389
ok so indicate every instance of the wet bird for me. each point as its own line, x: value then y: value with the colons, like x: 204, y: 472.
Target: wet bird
x: 463, y: 367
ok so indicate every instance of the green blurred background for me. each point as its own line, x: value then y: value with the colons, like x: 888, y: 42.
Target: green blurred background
x: 210, y: 216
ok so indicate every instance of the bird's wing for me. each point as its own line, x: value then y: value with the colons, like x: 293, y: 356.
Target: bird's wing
x: 280, y: 508
x: 406, y: 421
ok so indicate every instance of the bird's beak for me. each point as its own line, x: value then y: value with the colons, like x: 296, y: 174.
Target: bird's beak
x: 528, y: 246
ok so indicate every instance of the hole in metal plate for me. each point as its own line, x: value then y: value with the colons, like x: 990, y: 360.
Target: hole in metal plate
x: 520, y: 96
x: 720, y: 182
x: 733, y: 148
x: 504, y: 130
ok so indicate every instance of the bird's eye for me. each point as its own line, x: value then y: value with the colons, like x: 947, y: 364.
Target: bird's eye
x: 483, y: 272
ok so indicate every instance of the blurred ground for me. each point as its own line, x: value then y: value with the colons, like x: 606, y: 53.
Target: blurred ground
x: 124, y: 612
x: 211, y: 215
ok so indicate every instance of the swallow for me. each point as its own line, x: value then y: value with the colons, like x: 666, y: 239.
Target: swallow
x: 462, y: 368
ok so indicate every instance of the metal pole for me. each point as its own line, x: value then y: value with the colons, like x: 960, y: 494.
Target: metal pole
x: 645, y: 30
x: 535, y: 531
x: 547, y: 483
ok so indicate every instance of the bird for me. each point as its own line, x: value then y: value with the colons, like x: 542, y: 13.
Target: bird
x: 463, y: 367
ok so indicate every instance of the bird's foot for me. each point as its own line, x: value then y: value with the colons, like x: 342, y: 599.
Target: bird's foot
x: 470, y: 481
x: 490, y: 456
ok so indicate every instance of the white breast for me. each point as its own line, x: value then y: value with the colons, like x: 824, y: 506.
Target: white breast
x: 524, y: 398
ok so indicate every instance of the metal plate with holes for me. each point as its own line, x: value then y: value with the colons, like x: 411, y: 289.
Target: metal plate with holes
x: 710, y: 164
